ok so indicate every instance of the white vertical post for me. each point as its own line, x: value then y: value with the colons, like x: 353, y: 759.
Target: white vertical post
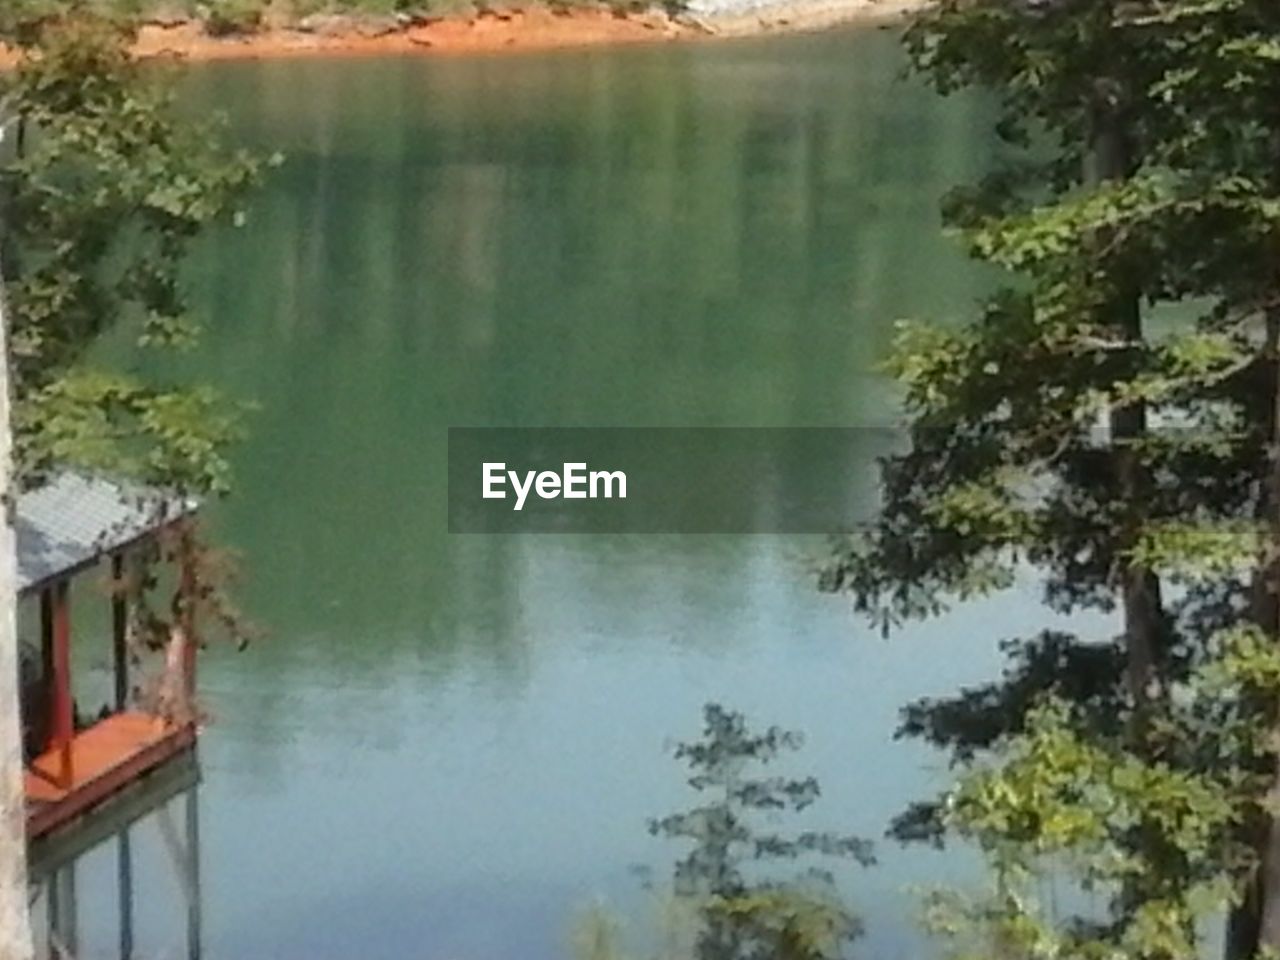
x: 15, y: 920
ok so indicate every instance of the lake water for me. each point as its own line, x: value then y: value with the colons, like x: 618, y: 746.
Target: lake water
x: 445, y: 747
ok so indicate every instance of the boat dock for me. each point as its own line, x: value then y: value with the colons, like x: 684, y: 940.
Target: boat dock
x: 66, y: 529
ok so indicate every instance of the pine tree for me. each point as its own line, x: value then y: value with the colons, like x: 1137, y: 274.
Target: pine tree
x: 746, y: 911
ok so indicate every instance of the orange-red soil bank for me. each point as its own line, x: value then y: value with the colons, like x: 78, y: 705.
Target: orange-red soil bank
x: 534, y: 28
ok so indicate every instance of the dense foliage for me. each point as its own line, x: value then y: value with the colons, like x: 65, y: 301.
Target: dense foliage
x: 102, y: 191
x: 1108, y: 424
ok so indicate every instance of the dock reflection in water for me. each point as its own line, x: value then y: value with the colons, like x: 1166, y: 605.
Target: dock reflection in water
x: 149, y: 838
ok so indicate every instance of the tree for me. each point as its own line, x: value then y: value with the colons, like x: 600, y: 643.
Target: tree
x: 104, y: 195
x: 728, y: 901
x: 745, y: 916
x: 1030, y: 429
x: 102, y: 189
x: 1157, y: 838
x: 101, y: 199
x: 1235, y: 46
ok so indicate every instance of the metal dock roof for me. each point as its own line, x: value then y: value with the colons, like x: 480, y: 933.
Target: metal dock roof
x: 72, y: 521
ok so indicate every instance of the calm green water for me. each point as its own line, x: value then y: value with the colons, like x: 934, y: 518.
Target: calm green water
x: 447, y: 746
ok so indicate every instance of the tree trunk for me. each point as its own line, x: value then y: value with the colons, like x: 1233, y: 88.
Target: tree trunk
x: 1115, y: 159
x: 1255, y: 923
x: 1139, y: 587
x: 15, y: 923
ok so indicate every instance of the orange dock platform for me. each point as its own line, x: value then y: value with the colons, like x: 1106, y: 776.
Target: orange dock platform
x: 66, y: 782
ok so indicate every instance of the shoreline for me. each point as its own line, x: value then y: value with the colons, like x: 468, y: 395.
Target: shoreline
x: 518, y: 29
x: 804, y: 16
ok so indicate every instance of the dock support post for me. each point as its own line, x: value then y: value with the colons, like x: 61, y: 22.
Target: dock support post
x: 124, y: 882
x: 194, y: 913
x: 47, y: 722
x: 119, y: 626
x: 64, y: 933
x: 55, y: 627
x: 53, y: 912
